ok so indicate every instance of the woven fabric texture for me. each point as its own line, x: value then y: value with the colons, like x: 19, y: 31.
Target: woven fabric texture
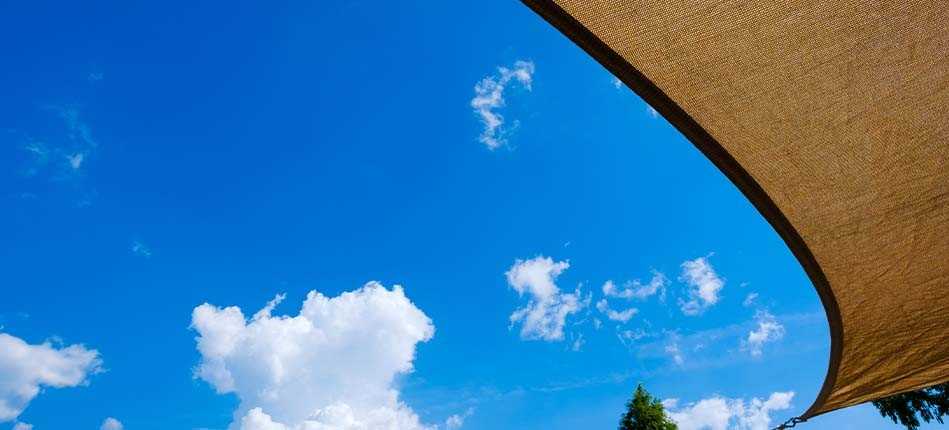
x: 839, y: 113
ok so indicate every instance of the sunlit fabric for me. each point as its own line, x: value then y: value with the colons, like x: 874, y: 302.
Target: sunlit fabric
x: 833, y: 119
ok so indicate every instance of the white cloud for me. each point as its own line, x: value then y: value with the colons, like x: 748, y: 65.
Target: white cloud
x: 22, y: 426
x: 38, y: 154
x: 712, y: 413
x: 577, y: 343
x: 547, y: 308
x: 111, y: 424
x: 719, y: 413
x: 140, y: 249
x: 75, y: 160
x: 627, y: 337
x: 25, y: 369
x: 719, y: 347
x: 768, y: 330
x: 331, y: 367
x: 749, y: 299
x: 635, y: 289
x: 79, y: 131
x: 617, y: 83
x: 704, y: 286
x: 61, y: 156
x: 632, y: 334
x: 756, y: 415
x: 256, y: 419
x: 670, y: 403
x: 79, y: 144
x: 672, y: 349
x: 652, y: 112
x: 456, y: 421
x: 613, y: 315
x: 489, y: 98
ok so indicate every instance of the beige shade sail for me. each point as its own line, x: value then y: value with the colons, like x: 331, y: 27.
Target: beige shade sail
x: 833, y: 119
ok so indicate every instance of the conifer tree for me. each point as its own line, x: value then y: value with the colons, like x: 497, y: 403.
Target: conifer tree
x: 644, y: 412
x: 930, y: 404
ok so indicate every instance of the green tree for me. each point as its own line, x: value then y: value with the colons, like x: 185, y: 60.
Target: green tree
x: 644, y: 412
x: 907, y: 408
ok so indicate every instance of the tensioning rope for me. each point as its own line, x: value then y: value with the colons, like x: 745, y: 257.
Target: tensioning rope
x: 790, y: 423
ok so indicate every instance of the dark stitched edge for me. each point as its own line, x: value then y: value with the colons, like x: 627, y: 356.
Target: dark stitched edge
x: 641, y: 85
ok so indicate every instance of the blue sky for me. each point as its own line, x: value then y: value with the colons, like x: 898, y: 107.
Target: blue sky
x: 157, y: 157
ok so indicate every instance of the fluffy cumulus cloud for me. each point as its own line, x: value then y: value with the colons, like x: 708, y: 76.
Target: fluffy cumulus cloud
x: 26, y: 369
x: 637, y: 290
x: 704, y: 286
x: 111, y: 424
x: 719, y: 413
x: 330, y: 367
x: 547, y: 308
x: 767, y: 329
x: 489, y: 99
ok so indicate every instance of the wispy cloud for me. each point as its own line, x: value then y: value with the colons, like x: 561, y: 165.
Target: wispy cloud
x: 652, y: 112
x: 750, y: 299
x: 695, y: 350
x: 140, y: 249
x: 636, y: 290
x: 456, y: 421
x: 489, y: 99
x: 75, y: 160
x: 618, y: 84
x: 12, y: 317
x: 62, y: 155
x: 614, y: 315
x: 767, y: 329
x: 629, y: 337
x: 79, y: 133
x: 672, y: 349
x: 37, y: 155
x: 704, y: 286
x: 728, y: 345
x: 578, y: 342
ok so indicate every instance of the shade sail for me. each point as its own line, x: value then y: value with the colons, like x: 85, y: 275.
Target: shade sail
x: 833, y: 119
